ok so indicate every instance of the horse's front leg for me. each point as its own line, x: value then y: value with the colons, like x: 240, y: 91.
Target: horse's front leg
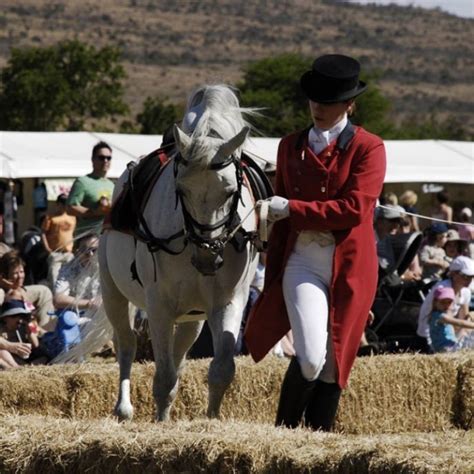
x: 165, y: 381
x: 225, y: 326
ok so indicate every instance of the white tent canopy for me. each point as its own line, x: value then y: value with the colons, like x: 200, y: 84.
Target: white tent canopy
x: 67, y: 154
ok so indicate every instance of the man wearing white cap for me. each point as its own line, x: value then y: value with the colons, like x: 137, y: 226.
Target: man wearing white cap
x: 461, y: 273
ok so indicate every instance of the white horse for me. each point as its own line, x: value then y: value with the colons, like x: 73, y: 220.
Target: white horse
x: 201, y: 193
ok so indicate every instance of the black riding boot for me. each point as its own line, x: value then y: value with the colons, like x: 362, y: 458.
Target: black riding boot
x: 322, y: 408
x: 295, y: 394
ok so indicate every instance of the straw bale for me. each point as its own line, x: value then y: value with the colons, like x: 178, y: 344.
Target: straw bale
x: 34, y: 390
x: 464, y: 398
x: 386, y: 394
x: 400, y: 393
x: 31, y: 444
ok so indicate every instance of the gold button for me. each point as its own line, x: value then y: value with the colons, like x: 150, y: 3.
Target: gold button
x: 323, y: 189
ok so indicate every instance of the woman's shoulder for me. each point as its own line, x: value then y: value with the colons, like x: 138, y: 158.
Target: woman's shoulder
x: 363, y: 135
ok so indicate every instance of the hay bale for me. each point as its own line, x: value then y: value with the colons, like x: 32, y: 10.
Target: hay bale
x: 400, y: 393
x: 39, y: 444
x: 464, y: 399
x: 34, y: 390
x: 386, y: 394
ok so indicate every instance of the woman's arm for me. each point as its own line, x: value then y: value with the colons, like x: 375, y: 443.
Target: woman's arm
x: 63, y: 300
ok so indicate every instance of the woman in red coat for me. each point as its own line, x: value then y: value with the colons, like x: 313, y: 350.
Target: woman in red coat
x: 321, y: 273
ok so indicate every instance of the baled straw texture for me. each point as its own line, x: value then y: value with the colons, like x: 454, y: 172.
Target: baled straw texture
x: 34, y: 444
x: 386, y: 394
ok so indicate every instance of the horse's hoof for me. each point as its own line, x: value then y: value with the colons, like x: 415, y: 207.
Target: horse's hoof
x: 124, y: 413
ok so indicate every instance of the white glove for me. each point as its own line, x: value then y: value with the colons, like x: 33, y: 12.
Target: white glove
x: 278, y: 208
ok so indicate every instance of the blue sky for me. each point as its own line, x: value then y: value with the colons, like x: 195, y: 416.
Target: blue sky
x: 464, y: 8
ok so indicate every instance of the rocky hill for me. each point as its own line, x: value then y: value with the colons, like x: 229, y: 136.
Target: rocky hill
x: 425, y: 57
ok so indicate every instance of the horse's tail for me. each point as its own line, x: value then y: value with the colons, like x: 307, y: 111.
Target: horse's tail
x: 96, y: 330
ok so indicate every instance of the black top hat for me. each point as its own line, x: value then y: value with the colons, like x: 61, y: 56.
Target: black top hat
x: 333, y: 78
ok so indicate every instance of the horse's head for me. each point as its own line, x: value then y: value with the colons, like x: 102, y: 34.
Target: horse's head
x: 208, y: 183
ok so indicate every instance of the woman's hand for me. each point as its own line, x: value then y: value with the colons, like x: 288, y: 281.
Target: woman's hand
x: 278, y: 208
x: 22, y: 349
x: 6, y: 284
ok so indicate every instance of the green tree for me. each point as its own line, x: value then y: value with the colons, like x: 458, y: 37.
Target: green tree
x: 273, y: 85
x: 60, y: 87
x: 157, y: 115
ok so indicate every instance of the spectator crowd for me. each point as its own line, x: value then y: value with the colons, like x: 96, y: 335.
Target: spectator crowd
x: 45, y: 293
x: 50, y: 280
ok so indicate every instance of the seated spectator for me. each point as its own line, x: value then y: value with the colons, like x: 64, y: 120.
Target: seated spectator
x: 432, y: 255
x: 443, y: 322
x: 12, y: 277
x: 388, y: 221
x: 461, y: 272
x: 77, y: 285
x: 390, y: 199
x: 16, y: 335
x: 58, y: 230
x: 408, y: 201
x: 466, y: 230
x: 455, y: 246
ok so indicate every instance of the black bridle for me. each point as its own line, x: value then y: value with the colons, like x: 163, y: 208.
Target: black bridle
x: 217, y: 244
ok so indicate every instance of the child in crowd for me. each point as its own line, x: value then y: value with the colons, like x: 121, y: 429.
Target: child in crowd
x: 15, y: 319
x: 443, y: 323
x: 455, y: 246
x: 432, y: 255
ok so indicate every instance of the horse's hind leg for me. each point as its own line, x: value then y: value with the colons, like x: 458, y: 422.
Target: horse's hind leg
x: 116, y: 307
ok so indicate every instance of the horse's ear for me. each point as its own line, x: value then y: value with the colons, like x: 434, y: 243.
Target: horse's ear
x: 182, y: 140
x: 227, y: 148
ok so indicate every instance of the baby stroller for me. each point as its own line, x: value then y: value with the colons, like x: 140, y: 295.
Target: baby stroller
x: 397, y: 301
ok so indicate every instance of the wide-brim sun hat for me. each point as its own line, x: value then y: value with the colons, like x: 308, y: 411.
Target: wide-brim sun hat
x: 14, y: 308
x: 333, y: 78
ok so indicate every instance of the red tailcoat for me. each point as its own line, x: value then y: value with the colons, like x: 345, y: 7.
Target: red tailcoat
x: 334, y: 191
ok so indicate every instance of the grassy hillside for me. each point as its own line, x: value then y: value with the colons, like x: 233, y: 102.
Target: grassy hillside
x: 425, y: 57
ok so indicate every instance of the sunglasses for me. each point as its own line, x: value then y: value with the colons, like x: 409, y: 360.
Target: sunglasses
x: 103, y: 157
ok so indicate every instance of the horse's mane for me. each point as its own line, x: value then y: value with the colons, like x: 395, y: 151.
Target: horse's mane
x: 220, y: 116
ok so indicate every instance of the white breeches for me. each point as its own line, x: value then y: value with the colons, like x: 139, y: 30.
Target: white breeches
x: 305, y: 289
